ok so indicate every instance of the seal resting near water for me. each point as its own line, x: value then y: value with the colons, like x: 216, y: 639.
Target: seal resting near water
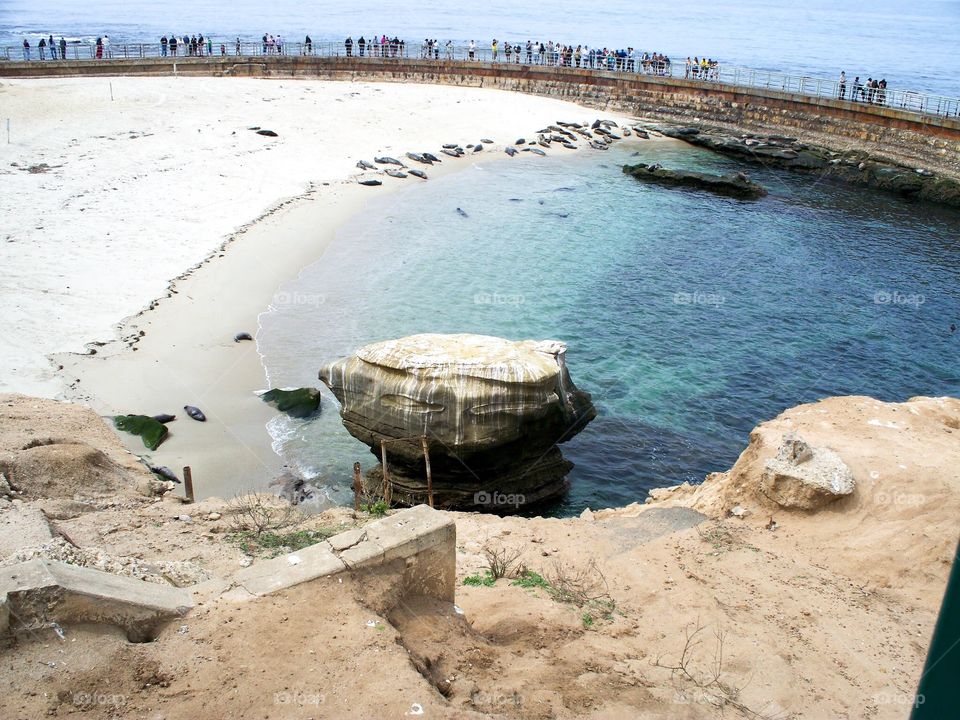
x: 195, y: 412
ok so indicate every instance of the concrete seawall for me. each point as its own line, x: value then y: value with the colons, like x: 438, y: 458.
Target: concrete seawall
x: 925, y: 141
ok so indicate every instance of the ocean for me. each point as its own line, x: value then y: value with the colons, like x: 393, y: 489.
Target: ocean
x: 689, y: 317
x: 912, y: 45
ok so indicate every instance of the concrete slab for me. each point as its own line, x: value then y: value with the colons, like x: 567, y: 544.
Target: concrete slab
x: 280, y: 573
x: 650, y: 524
x: 425, y: 539
x: 40, y: 592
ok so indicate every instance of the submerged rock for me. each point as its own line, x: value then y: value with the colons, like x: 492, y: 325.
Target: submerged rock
x: 298, y: 403
x: 738, y: 186
x: 804, y: 477
x: 150, y: 430
x: 492, y: 412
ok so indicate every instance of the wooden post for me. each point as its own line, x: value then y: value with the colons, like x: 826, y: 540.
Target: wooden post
x: 426, y: 459
x: 188, y: 483
x: 386, y: 476
x: 357, y: 486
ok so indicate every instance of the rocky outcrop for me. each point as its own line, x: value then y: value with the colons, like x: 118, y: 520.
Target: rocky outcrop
x: 856, y: 167
x: 737, y: 186
x: 492, y: 412
x: 805, y: 478
x: 296, y: 402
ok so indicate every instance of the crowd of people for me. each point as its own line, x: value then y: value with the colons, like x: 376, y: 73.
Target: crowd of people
x: 873, y: 91
x: 383, y: 46
x: 189, y: 46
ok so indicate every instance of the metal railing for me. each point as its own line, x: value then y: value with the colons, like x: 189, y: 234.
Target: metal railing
x: 908, y: 100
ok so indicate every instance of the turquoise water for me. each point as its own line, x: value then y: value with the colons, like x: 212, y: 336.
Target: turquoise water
x: 691, y: 318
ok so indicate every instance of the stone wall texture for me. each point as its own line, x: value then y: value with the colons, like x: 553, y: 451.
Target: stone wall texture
x: 922, y: 141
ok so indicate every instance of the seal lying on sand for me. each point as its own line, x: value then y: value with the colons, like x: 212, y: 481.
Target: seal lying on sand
x: 388, y: 161
x: 511, y: 151
x: 165, y: 472
x: 450, y: 152
x: 370, y: 183
x: 431, y: 157
x: 242, y: 336
x: 418, y: 173
x: 164, y: 418
x: 395, y: 173
x: 195, y: 412
x: 364, y: 165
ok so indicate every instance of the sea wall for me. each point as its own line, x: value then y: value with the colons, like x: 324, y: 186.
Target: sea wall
x: 924, y: 141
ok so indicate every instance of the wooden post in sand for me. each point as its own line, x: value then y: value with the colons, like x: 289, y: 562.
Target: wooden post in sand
x: 188, y: 483
x: 386, y: 477
x: 357, y: 486
x: 426, y: 459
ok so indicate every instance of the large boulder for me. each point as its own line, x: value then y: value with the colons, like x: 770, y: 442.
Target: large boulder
x: 804, y: 477
x: 492, y: 412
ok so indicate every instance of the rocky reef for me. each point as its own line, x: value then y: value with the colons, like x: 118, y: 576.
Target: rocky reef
x: 856, y: 167
x: 492, y: 412
x: 736, y: 186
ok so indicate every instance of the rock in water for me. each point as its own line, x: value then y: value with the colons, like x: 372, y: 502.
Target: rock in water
x: 492, y: 410
x: 804, y: 477
x: 150, y: 430
x: 298, y: 403
x: 737, y: 186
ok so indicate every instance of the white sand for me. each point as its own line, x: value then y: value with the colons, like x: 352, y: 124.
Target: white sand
x: 146, y: 186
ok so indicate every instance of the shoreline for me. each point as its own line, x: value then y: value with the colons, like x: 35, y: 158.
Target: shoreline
x: 179, y: 349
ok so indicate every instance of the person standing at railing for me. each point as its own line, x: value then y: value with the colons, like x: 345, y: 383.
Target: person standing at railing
x: 307, y: 45
x: 172, y: 44
x: 163, y: 46
x: 494, y: 49
x: 264, y: 43
x: 41, y: 47
x: 26, y: 49
x: 63, y: 49
x: 362, y: 45
x: 237, y: 48
x: 882, y: 92
x: 348, y: 46
x: 210, y: 47
x: 471, y: 50
x: 279, y: 45
x: 842, y: 85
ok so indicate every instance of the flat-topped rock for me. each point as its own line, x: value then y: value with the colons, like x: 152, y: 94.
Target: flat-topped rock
x: 492, y: 412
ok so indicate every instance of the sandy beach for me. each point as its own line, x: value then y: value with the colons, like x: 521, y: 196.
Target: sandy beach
x: 175, y: 224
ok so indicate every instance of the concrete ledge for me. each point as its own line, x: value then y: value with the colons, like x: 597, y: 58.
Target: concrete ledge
x: 40, y: 592
x: 422, y: 538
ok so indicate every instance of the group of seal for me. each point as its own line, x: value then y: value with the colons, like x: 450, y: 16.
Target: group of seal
x: 599, y: 135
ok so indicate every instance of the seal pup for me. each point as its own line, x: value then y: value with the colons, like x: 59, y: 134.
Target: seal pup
x: 538, y: 151
x: 511, y: 151
x: 520, y: 141
x: 486, y: 141
x: 370, y: 183
x: 395, y: 173
x: 477, y: 148
x: 164, y: 418
x: 165, y: 472
x: 195, y: 412
x: 240, y: 336
x: 418, y: 173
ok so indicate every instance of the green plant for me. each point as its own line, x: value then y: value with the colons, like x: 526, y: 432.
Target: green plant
x: 377, y: 509
x: 252, y: 543
x: 477, y: 580
x: 587, y: 619
x: 529, y: 579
